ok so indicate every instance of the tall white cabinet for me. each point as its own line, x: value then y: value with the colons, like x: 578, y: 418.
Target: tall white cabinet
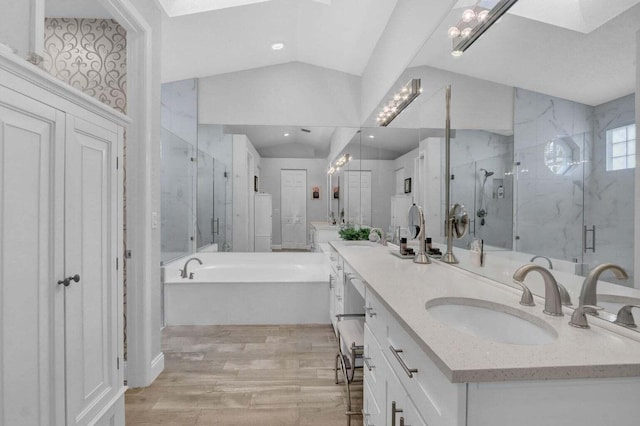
x: 60, y: 239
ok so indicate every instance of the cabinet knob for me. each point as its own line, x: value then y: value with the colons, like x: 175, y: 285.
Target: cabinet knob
x: 67, y: 281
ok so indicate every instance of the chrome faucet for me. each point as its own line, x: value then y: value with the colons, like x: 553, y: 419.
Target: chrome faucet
x: 542, y: 257
x: 383, y: 237
x: 183, y: 271
x: 552, y: 300
x: 588, y: 292
x: 579, y: 317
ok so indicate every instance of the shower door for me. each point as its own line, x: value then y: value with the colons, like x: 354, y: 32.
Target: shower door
x: 549, y: 199
x: 220, y: 204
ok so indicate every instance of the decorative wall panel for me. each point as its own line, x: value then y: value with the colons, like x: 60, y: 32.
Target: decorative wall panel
x: 90, y: 55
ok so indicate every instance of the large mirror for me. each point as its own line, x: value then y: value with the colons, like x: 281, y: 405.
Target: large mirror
x: 543, y: 156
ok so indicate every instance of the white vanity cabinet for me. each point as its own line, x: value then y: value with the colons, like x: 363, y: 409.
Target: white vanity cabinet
x: 412, y: 381
x: 321, y: 232
x: 60, y: 282
x: 429, y: 398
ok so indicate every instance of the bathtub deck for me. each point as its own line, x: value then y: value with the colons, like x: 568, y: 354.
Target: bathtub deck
x: 242, y: 376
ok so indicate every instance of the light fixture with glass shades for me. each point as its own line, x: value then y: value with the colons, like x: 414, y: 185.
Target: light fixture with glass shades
x: 399, y: 102
x: 339, y: 163
x: 475, y: 21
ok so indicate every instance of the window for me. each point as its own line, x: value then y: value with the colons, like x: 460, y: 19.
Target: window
x: 621, y: 148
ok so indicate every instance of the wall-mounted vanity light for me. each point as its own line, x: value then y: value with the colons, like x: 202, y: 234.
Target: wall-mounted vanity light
x: 339, y: 163
x: 400, y: 101
x: 475, y: 21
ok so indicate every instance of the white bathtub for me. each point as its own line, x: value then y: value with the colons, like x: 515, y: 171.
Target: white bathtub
x: 248, y: 288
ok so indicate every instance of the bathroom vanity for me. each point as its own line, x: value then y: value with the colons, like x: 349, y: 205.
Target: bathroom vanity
x: 437, y: 352
x: 321, y: 233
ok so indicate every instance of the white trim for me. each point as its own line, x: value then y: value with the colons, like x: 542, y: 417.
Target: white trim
x: 20, y: 70
x: 141, y: 370
x: 157, y: 365
x: 276, y: 247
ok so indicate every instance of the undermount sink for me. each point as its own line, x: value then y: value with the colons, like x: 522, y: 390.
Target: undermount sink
x: 613, y: 302
x: 491, y: 321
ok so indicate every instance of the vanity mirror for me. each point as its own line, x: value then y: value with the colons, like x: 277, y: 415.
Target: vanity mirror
x: 533, y: 155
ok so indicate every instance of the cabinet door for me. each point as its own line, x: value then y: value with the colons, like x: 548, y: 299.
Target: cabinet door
x: 90, y: 251
x: 31, y: 241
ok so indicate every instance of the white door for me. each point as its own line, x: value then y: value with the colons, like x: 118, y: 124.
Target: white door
x: 358, y: 197
x: 31, y: 244
x: 90, y: 252
x: 293, y: 207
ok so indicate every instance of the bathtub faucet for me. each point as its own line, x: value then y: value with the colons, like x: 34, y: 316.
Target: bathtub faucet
x: 183, y: 271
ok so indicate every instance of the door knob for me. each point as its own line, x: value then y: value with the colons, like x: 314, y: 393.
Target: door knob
x: 67, y: 281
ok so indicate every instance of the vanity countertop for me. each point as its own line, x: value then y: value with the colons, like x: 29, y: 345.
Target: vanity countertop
x: 405, y: 287
x: 324, y: 226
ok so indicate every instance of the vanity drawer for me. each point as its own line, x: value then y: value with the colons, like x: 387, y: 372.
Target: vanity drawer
x: 376, y: 316
x: 372, y: 413
x: 438, y: 400
x: 373, y: 364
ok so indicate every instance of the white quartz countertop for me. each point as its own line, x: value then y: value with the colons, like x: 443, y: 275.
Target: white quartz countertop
x: 405, y: 287
x: 324, y: 226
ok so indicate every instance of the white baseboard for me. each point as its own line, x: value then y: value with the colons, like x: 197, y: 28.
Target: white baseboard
x: 157, y: 366
x: 276, y: 247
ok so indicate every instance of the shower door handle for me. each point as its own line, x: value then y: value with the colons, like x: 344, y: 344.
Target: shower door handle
x: 593, y: 238
x: 217, y: 227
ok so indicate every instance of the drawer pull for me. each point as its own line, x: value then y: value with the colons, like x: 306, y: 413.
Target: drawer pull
x: 339, y: 268
x: 339, y: 298
x: 366, y: 362
x: 395, y: 411
x: 369, y: 311
x: 365, y: 419
x: 331, y: 282
x: 396, y: 353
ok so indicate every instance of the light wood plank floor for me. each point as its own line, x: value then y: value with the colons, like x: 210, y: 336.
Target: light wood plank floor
x: 244, y: 376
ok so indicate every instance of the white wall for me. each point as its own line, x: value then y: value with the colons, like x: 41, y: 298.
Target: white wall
x: 316, y: 176
x: 401, y: 40
x: 18, y: 28
x: 475, y: 103
x: 636, y: 243
x: 287, y: 94
x: 243, y: 192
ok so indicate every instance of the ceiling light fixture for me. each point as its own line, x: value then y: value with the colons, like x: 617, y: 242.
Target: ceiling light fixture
x: 286, y: 134
x: 277, y: 46
x: 475, y: 21
x: 371, y: 137
x: 399, y: 102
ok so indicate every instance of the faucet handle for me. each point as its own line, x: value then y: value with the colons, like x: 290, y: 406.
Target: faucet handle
x: 527, y: 297
x: 579, y: 317
x: 565, y: 297
x: 625, y: 317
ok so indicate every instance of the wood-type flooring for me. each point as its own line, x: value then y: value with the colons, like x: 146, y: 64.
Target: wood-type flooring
x: 244, y: 376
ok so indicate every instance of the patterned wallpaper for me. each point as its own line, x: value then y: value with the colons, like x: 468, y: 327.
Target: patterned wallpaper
x: 90, y: 55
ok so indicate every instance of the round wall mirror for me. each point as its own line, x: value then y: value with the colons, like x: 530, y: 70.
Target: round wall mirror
x: 416, y: 221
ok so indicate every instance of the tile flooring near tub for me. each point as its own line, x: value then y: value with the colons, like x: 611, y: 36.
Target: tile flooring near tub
x: 244, y: 376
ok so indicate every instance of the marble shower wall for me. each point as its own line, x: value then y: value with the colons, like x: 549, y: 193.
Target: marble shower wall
x: 551, y: 209
x: 549, y: 206
x: 472, y: 150
x: 178, y: 172
x: 609, y: 195
x: 213, y: 141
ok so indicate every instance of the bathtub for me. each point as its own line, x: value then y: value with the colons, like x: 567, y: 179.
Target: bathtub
x: 248, y: 288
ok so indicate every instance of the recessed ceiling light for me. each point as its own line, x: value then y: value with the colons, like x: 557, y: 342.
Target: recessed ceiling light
x: 277, y: 46
x: 371, y: 136
x: 286, y: 134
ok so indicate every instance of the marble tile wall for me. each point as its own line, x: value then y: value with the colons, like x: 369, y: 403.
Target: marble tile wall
x: 472, y: 150
x: 609, y: 195
x: 179, y: 138
x: 548, y: 206
x: 213, y: 141
x: 552, y: 209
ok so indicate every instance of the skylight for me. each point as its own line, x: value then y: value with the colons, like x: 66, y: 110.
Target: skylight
x: 175, y: 8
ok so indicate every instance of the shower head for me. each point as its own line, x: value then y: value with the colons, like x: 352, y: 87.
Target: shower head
x: 487, y: 173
